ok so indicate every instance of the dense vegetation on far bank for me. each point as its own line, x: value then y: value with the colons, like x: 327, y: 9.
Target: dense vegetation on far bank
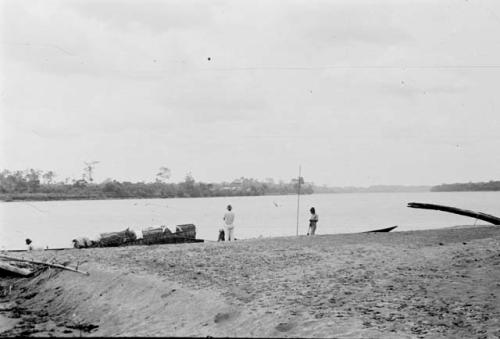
x: 471, y: 186
x: 35, y: 185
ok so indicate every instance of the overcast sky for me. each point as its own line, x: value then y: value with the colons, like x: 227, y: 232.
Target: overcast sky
x: 357, y: 92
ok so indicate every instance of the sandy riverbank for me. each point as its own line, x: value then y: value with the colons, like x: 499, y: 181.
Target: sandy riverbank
x: 436, y: 283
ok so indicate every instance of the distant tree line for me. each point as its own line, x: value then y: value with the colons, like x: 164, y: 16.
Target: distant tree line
x: 34, y: 184
x: 371, y: 189
x: 460, y: 187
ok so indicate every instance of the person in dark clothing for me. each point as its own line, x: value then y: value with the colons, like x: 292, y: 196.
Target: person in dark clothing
x: 313, y: 221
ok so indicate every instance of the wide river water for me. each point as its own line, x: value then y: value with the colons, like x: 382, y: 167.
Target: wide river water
x: 55, y: 223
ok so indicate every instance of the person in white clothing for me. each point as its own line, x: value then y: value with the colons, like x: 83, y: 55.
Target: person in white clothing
x: 229, y: 220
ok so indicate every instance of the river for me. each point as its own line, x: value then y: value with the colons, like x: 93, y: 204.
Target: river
x: 55, y: 223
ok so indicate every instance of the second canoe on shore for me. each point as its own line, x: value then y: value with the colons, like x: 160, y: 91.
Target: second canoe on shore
x: 387, y: 229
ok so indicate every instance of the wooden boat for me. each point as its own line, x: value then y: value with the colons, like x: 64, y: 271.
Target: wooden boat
x: 387, y: 229
x: 11, y: 269
x: 173, y: 239
x: 45, y: 249
x: 33, y: 262
x: 185, y: 233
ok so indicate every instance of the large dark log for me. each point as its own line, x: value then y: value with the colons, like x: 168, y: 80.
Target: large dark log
x: 478, y: 215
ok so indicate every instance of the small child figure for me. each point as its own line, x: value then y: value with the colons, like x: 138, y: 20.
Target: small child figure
x: 29, y: 244
x: 222, y: 235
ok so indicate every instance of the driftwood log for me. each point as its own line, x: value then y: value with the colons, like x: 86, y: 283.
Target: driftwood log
x: 43, y: 263
x: 478, y: 215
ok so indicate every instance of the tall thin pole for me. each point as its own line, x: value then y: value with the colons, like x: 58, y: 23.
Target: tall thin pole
x: 298, y: 201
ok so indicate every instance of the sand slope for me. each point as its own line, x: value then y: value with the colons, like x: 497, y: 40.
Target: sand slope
x: 440, y: 283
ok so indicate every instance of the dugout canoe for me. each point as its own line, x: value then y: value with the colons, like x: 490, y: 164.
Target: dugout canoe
x: 11, y: 269
x: 387, y: 229
x: 44, y: 249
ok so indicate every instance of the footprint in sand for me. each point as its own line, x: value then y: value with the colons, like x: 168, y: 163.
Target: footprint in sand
x: 166, y: 295
x: 284, y: 327
x: 220, y: 317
